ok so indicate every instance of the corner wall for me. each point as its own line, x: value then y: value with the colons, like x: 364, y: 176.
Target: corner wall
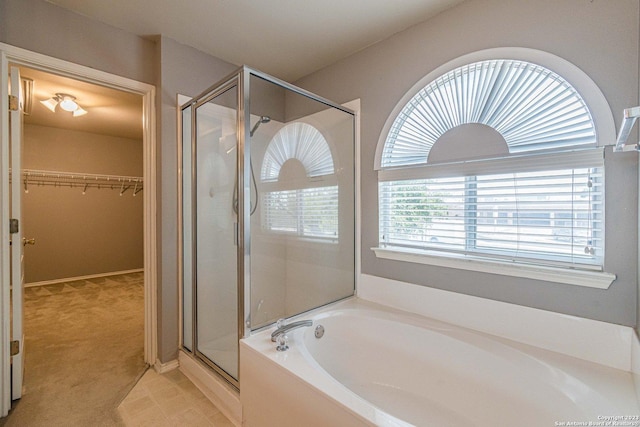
x: 42, y: 27
x: 186, y: 71
x: 171, y: 67
x: 597, y: 36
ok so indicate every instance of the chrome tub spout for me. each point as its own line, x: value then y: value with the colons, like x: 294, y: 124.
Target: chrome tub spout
x: 291, y: 326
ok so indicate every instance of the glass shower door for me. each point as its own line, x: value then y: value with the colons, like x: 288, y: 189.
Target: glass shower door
x: 268, y: 211
x: 215, y: 230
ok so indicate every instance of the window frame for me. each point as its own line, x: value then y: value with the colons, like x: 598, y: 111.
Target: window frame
x: 605, y: 135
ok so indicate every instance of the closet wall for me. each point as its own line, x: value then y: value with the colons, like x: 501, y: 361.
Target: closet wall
x: 80, y: 234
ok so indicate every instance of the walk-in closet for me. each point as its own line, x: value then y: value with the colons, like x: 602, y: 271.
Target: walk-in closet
x: 81, y: 193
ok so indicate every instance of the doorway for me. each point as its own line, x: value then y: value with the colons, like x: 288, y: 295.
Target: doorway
x: 82, y: 211
x: 57, y: 67
x: 82, y: 215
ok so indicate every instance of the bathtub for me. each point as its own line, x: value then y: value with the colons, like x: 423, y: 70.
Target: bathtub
x: 379, y: 366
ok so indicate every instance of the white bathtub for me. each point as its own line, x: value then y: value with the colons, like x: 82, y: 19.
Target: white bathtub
x: 379, y: 366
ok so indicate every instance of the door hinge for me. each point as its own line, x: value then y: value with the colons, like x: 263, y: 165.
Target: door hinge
x: 15, y: 347
x: 14, y: 103
x: 14, y: 226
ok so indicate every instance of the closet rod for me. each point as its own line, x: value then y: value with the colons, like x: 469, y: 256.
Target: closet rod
x: 83, y: 180
x: 79, y: 177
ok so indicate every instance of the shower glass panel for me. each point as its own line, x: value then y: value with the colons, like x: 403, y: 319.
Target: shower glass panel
x: 268, y: 211
x: 215, y: 231
x: 302, y: 221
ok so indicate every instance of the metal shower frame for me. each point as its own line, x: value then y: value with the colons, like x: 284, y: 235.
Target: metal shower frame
x: 241, y: 79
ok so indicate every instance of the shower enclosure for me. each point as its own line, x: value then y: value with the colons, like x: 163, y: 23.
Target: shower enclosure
x: 267, y: 212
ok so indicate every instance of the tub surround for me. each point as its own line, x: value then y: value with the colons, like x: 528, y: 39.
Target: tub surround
x: 583, y: 390
x: 592, y: 343
x: 635, y: 365
x: 273, y: 395
x: 600, y: 342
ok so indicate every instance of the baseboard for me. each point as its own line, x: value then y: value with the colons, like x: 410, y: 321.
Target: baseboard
x: 226, y: 399
x: 163, y: 368
x: 91, y: 276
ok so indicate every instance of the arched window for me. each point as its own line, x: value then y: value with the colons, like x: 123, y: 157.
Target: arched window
x: 300, y: 187
x: 302, y: 142
x: 529, y: 107
x: 495, y: 159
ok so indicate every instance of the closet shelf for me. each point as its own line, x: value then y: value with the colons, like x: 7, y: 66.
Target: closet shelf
x: 81, y: 180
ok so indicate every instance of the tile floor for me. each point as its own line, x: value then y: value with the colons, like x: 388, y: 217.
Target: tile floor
x: 169, y: 399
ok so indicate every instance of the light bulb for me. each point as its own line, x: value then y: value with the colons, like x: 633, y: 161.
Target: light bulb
x: 68, y: 104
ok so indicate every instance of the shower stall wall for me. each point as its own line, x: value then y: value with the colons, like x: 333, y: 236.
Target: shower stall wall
x: 268, y: 211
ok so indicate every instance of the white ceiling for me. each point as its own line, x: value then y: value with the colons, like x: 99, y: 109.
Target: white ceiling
x: 285, y: 38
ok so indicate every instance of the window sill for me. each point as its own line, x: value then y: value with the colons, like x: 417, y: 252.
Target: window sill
x: 589, y: 279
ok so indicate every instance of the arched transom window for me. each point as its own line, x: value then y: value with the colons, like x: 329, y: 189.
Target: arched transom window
x: 300, y: 187
x: 495, y: 159
x: 529, y: 107
x: 301, y: 142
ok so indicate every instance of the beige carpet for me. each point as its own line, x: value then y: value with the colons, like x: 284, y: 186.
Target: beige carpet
x: 84, y: 351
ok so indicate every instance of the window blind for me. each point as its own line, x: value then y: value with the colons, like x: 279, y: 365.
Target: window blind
x: 553, y: 217
x: 542, y: 203
x: 299, y: 141
x: 532, y: 107
x: 307, y: 212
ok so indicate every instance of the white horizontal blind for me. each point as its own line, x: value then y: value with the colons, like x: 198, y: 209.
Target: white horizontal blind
x: 532, y: 108
x: 299, y: 141
x: 542, y: 203
x: 550, y: 217
x: 303, y: 206
x: 307, y: 212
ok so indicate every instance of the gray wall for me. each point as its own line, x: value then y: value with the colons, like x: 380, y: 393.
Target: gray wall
x: 600, y: 37
x: 173, y: 68
x: 76, y: 234
x: 186, y: 71
x: 44, y: 28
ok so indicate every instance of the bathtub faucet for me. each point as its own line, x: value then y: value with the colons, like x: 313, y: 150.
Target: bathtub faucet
x: 282, y: 329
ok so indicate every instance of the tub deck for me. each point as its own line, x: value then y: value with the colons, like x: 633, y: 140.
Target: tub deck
x: 381, y: 366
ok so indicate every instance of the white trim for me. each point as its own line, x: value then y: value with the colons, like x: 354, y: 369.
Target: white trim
x: 356, y: 108
x: 530, y: 162
x: 218, y: 391
x: 42, y: 62
x: 589, y: 279
x: 148, y: 93
x: 600, y: 342
x: 88, y: 277
x: 5, y: 261
x: 590, y: 92
x: 163, y: 368
x: 150, y: 227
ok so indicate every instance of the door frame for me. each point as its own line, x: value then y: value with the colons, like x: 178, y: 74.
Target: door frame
x: 15, y: 55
